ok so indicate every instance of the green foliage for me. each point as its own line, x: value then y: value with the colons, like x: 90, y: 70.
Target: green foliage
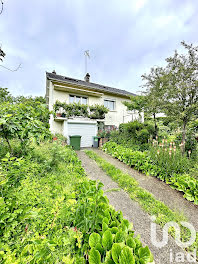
x: 158, y: 163
x: 137, y: 103
x: 191, y: 142
x: 49, y: 211
x: 153, y: 102
x: 98, y: 111
x: 22, y: 121
x: 60, y: 138
x: 116, y: 251
x: 169, y: 158
x: 36, y: 206
x: 69, y: 110
x: 107, y: 240
x: 5, y: 95
x: 74, y: 109
x: 94, y: 256
x: 37, y: 102
x: 126, y: 256
x: 144, y: 254
x: 146, y: 200
x: 180, y: 84
x: 94, y: 239
x: 133, y: 134
x: 173, y: 89
x: 33, y: 101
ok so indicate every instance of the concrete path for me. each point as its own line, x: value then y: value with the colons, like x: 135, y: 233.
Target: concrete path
x: 162, y: 191
x: 120, y: 200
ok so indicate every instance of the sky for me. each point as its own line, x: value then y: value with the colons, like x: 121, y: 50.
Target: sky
x: 125, y: 38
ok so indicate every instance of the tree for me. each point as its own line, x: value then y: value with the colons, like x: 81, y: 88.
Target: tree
x: 38, y: 103
x: 180, y: 87
x: 22, y: 121
x: 5, y: 95
x: 137, y: 103
x: 153, y: 85
x: 150, y: 102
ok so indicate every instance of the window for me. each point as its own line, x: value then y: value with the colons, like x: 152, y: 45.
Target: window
x: 77, y: 99
x: 71, y: 98
x: 109, y: 104
x: 84, y: 100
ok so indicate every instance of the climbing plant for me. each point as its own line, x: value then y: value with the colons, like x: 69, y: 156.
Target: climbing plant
x: 74, y: 109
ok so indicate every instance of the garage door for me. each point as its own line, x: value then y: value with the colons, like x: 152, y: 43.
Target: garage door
x: 85, y: 130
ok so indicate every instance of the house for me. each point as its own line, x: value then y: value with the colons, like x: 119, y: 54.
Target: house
x: 70, y: 90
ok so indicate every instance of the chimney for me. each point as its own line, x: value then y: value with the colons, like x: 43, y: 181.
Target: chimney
x: 54, y: 72
x: 87, y: 77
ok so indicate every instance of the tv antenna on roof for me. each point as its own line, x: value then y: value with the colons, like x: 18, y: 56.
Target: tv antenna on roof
x: 86, y: 53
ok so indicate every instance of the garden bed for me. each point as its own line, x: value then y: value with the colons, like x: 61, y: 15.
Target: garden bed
x: 51, y: 212
x: 142, y: 161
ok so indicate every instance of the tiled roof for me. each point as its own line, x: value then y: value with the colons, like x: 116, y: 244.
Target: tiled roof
x: 94, y: 86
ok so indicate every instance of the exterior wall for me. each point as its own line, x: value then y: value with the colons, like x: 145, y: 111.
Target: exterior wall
x: 115, y: 117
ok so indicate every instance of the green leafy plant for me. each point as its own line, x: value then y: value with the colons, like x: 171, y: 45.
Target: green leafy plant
x: 23, y: 122
x: 133, y: 134
x: 74, y: 109
x: 169, y: 167
x: 98, y: 111
x: 147, y: 201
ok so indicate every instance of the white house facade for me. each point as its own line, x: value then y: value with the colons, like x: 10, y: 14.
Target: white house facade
x: 70, y: 90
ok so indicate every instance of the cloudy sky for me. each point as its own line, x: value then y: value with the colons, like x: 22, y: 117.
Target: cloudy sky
x: 125, y: 39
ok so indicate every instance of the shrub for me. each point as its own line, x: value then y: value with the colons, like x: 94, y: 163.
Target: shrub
x: 133, y: 134
x: 21, y: 121
x: 191, y: 142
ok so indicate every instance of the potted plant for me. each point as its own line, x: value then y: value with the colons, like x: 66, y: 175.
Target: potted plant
x: 63, y: 115
x: 103, y: 136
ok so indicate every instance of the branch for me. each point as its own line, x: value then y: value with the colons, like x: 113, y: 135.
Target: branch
x: 2, y: 54
x: 11, y: 69
x: 1, y: 1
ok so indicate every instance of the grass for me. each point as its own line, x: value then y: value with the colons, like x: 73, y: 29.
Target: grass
x: 145, y: 199
x: 113, y: 190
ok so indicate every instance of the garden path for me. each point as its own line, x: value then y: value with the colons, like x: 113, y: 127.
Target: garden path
x: 162, y: 191
x: 120, y: 200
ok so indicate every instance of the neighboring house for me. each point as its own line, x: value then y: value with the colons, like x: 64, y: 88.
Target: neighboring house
x: 70, y: 90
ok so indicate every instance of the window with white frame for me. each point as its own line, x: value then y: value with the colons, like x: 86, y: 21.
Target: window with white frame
x: 77, y: 99
x: 110, y: 104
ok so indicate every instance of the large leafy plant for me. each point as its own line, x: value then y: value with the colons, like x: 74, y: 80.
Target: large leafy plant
x: 107, y: 236
x: 22, y: 121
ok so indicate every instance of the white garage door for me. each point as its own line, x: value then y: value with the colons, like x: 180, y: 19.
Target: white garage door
x: 85, y: 130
